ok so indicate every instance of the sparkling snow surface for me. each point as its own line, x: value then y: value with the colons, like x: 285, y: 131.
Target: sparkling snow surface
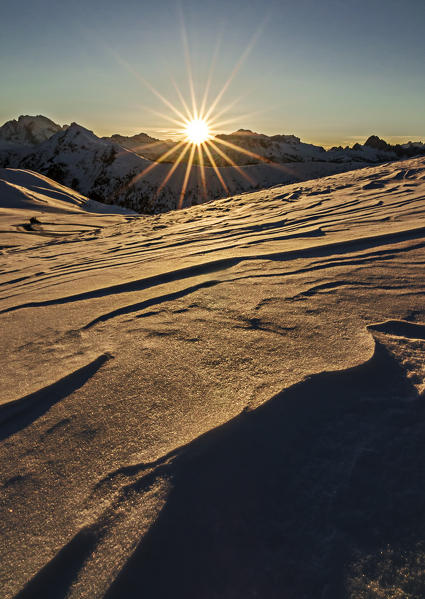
x: 217, y: 402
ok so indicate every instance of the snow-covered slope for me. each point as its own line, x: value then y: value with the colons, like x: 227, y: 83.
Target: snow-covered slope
x: 28, y: 190
x: 223, y: 401
x: 26, y: 195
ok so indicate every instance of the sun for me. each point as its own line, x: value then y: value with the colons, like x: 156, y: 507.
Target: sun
x: 197, y: 131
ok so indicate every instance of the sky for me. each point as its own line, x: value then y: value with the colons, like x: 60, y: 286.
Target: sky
x: 329, y: 71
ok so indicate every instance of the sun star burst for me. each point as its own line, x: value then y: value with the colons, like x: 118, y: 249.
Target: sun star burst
x: 197, y: 132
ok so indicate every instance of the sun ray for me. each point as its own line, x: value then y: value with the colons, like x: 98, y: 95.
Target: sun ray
x: 226, y: 108
x: 231, y: 162
x: 186, y: 176
x: 236, y: 68
x: 202, y: 170
x: 172, y: 169
x: 240, y: 149
x: 209, y: 78
x: 163, y: 116
x: 245, y: 116
x: 188, y: 65
x: 153, y: 165
x: 163, y: 99
x: 182, y: 100
x: 217, y: 172
x: 142, y: 147
x: 276, y: 165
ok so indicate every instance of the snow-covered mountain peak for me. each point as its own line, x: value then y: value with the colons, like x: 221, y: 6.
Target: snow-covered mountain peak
x: 376, y: 142
x: 76, y: 129
x: 75, y: 132
x: 76, y: 139
x: 29, y: 130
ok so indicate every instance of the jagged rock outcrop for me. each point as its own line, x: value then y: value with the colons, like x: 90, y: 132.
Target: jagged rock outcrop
x: 377, y: 143
x: 29, y: 130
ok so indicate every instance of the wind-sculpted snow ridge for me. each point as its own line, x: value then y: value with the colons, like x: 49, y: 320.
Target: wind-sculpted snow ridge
x: 222, y: 401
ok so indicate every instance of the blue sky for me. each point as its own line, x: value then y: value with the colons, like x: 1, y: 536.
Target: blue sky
x: 329, y: 71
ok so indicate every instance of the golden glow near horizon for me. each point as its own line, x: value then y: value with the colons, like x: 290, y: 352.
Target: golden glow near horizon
x: 197, y: 131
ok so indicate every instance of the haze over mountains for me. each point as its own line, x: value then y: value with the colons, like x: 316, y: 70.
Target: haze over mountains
x: 108, y: 169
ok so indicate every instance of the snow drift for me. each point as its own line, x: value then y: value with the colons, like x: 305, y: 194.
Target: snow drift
x: 223, y: 401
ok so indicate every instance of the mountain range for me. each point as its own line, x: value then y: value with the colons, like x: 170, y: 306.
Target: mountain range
x: 122, y: 170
